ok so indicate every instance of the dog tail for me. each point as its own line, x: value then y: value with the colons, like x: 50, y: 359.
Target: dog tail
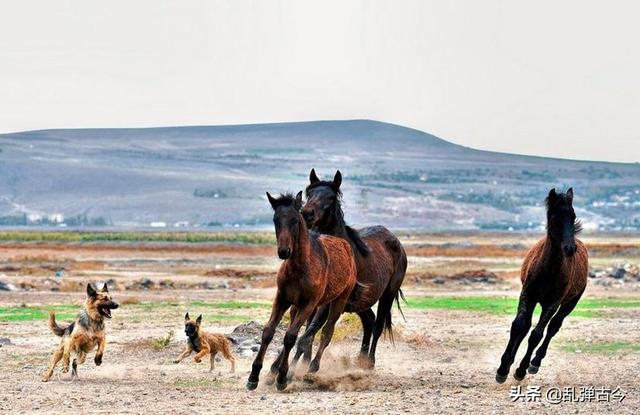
x: 232, y: 340
x: 55, y: 328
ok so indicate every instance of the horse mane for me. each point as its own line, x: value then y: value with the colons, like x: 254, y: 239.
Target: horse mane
x: 577, y: 224
x: 338, y: 215
x: 284, y: 199
x: 324, y: 183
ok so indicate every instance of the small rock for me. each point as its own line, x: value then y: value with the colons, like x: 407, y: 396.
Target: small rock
x: 5, y: 341
x: 438, y: 280
x: 6, y: 286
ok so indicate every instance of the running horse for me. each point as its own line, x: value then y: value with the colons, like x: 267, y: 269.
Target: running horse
x: 554, y: 274
x: 318, y: 271
x: 380, y: 259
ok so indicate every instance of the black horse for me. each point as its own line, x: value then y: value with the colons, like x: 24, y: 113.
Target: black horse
x: 380, y: 259
x: 554, y: 274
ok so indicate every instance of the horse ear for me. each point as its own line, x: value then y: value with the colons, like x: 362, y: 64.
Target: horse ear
x: 313, y: 178
x: 570, y: 194
x: 553, y: 196
x: 186, y: 317
x: 337, y: 179
x: 91, y: 292
x: 199, y: 319
x: 298, y: 202
x: 272, y: 200
x: 105, y: 289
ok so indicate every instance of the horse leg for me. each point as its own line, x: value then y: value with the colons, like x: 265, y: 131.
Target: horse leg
x: 552, y: 330
x: 305, y: 342
x: 308, y: 349
x: 383, y: 319
x: 367, y: 318
x: 548, y: 310
x: 519, y: 329
x: 277, y: 311
x: 336, y: 308
x: 271, y: 377
x: 290, y: 338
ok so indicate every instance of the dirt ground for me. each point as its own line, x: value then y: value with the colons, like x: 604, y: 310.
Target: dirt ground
x: 443, y: 360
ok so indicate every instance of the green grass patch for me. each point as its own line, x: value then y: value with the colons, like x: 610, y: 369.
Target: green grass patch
x: 601, y: 347
x: 259, y: 238
x: 28, y: 313
x: 588, y: 307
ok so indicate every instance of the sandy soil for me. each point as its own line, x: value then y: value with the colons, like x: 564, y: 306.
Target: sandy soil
x: 443, y: 361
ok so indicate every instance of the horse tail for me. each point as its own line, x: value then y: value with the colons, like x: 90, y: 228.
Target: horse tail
x: 396, y: 281
x: 354, y: 236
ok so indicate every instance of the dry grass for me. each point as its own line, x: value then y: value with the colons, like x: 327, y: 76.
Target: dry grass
x: 130, y: 300
x: 162, y: 342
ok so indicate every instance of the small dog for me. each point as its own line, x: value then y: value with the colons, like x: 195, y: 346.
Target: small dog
x: 84, y: 334
x: 204, y: 343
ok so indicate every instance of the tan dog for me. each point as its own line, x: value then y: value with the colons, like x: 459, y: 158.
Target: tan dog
x: 204, y: 343
x: 84, y: 334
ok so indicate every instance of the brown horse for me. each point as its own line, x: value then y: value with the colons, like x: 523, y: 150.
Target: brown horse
x: 380, y: 258
x: 554, y: 274
x: 318, y: 270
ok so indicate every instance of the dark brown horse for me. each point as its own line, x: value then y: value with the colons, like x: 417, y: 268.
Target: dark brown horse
x: 554, y: 274
x: 380, y: 258
x: 317, y: 271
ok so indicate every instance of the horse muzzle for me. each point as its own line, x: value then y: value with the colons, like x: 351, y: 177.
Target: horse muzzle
x: 284, y: 253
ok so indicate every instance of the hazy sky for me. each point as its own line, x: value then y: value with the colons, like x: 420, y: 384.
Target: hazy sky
x: 558, y: 78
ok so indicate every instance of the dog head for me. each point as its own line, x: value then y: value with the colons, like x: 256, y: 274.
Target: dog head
x: 192, y: 327
x: 99, y: 303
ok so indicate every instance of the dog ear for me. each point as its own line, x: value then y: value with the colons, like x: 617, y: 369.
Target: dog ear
x: 199, y: 319
x: 91, y: 292
x: 570, y: 194
x: 105, y: 289
x: 337, y: 179
x: 298, y: 202
x: 186, y: 317
x: 313, y: 177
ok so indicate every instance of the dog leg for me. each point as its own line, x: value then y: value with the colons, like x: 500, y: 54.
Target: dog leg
x: 77, y: 361
x: 66, y: 357
x: 212, y: 359
x: 198, y: 357
x: 184, y: 354
x: 55, y: 358
x: 229, y: 356
x: 101, y: 346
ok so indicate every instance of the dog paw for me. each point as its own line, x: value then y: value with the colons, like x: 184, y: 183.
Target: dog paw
x: 176, y: 361
x: 197, y: 360
x: 65, y: 370
x: 98, y: 360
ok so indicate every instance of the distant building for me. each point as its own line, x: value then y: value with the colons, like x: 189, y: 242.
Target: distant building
x: 158, y: 224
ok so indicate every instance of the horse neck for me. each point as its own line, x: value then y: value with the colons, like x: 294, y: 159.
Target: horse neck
x: 552, y: 252
x: 335, y: 226
x: 301, y: 252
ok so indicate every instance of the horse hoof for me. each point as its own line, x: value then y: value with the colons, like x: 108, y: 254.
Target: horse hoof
x: 281, y: 386
x: 519, y: 375
x: 252, y: 385
x: 501, y: 378
x: 533, y: 369
x: 271, y: 378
